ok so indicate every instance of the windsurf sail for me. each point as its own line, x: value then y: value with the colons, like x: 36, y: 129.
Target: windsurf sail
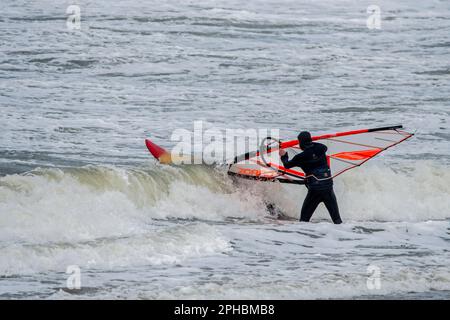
x: 346, y: 150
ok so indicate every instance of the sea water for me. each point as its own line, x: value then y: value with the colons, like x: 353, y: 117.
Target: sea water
x: 79, y: 191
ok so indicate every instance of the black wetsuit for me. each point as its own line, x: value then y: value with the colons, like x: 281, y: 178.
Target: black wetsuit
x: 313, y: 162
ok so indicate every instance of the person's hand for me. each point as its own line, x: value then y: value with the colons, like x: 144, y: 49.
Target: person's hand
x: 282, y: 152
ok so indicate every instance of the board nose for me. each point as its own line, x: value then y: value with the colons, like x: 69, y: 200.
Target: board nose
x: 154, y: 149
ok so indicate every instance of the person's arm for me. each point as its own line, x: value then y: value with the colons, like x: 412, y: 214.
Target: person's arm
x: 295, y: 162
x: 284, y: 159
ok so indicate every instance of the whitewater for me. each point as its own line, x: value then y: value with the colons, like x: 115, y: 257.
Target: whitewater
x: 79, y: 188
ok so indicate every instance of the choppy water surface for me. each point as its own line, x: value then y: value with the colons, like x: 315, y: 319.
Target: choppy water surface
x: 78, y: 187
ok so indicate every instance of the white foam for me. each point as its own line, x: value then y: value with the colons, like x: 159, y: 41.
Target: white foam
x: 101, y: 217
x: 381, y: 193
x: 168, y: 245
x: 55, y: 205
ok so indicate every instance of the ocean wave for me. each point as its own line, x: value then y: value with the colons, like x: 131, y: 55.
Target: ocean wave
x: 92, y: 202
x: 167, y: 245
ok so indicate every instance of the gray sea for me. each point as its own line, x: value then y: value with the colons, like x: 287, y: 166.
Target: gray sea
x: 87, y: 213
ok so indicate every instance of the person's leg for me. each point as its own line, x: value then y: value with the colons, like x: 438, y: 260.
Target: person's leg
x: 310, y: 204
x: 329, y: 198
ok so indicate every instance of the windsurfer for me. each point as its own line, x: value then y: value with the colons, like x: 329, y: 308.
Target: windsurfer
x: 313, y: 162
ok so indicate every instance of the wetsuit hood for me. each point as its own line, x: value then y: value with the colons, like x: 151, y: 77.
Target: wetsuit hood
x: 304, y: 139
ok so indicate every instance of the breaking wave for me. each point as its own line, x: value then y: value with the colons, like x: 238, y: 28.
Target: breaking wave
x: 90, y: 202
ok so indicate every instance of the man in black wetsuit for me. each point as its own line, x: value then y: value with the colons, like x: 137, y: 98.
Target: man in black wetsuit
x: 313, y: 162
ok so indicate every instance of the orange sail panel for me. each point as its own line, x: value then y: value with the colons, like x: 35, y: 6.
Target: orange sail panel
x: 357, y: 155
